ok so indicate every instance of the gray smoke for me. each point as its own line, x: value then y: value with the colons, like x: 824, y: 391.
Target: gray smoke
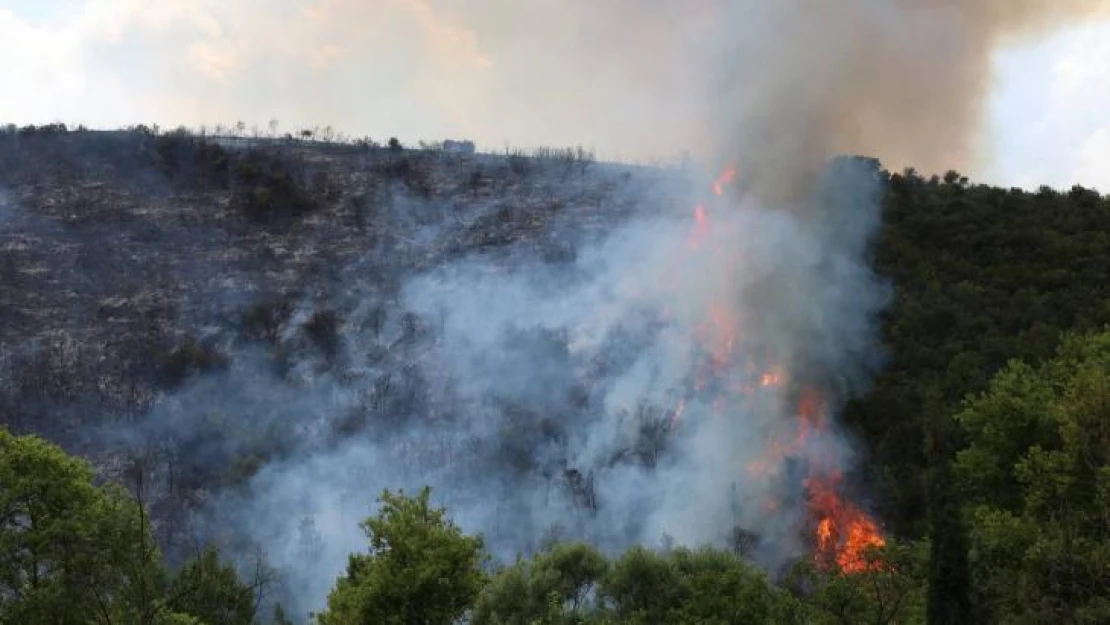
x: 539, y: 399
x: 903, y: 80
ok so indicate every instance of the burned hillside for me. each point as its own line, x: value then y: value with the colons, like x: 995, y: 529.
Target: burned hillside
x: 140, y: 269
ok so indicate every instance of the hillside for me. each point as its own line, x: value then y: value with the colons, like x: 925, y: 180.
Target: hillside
x: 259, y: 329
x: 127, y: 248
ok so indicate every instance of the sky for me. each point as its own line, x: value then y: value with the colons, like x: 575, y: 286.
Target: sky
x: 500, y: 73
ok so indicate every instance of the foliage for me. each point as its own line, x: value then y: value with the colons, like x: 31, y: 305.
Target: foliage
x: 693, y: 586
x: 189, y: 358
x: 268, y: 188
x: 982, y: 275
x: 949, y: 594
x: 890, y: 590
x: 556, y: 586
x: 574, y: 583
x: 72, y: 552
x: 949, y: 586
x: 420, y: 568
x: 1037, y: 474
x: 413, y: 170
x: 212, y: 592
x: 192, y: 161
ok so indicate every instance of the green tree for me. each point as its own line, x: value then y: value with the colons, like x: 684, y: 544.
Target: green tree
x: 949, y: 579
x: 553, y: 587
x: 949, y: 595
x: 420, y: 569
x: 212, y: 591
x: 1037, y: 475
x: 72, y: 552
x: 891, y: 589
x: 684, y: 586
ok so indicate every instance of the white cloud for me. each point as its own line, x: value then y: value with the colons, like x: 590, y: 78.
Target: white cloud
x: 1049, y: 113
x: 357, y: 65
x: 1093, y: 167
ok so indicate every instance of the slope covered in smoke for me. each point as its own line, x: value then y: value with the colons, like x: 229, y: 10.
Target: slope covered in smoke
x: 559, y: 347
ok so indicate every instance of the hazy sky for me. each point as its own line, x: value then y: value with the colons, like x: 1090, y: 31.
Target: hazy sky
x: 520, y: 73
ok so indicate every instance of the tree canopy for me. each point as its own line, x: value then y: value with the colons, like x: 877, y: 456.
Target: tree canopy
x: 420, y: 568
x: 1036, y: 472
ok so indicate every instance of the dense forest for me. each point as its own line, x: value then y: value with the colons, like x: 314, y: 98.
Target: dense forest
x: 987, y: 429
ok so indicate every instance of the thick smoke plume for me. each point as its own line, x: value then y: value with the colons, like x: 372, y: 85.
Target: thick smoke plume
x: 645, y: 392
x: 903, y: 80
x: 788, y: 83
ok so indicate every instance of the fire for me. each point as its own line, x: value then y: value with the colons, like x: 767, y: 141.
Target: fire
x: 842, y: 533
x: 824, y: 534
x: 727, y: 177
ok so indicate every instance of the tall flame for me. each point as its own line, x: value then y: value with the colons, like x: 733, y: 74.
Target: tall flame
x: 842, y: 533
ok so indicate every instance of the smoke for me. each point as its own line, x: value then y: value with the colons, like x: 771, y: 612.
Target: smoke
x: 903, y: 80
x: 615, y: 398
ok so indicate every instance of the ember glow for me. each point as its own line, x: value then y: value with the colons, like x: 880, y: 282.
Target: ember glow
x: 841, y: 532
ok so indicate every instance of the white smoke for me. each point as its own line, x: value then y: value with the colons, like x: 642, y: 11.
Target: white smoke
x: 538, y: 399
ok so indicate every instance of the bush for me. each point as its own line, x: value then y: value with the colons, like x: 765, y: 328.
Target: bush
x: 189, y: 160
x: 267, y: 190
x: 188, y: 359
x: 411, y: 170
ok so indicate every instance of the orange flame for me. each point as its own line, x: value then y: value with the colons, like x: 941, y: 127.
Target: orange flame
x: 842, y: 532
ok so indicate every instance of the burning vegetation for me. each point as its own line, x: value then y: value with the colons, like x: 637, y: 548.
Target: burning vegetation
x: 842, y: 533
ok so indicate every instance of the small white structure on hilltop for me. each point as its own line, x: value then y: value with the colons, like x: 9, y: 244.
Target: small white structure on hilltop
x: 459, y: 147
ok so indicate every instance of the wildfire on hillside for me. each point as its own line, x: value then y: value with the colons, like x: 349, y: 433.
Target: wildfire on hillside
x: 841, y: 533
